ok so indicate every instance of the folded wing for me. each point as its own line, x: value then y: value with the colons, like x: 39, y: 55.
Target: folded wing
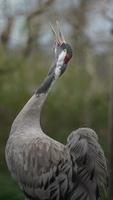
x: 89, y: 157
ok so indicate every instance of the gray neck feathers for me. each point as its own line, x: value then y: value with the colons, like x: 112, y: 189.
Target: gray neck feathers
x: 29, y: 116
x: 45, y: 85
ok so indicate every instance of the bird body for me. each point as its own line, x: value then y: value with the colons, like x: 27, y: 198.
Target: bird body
x: 44, y: 168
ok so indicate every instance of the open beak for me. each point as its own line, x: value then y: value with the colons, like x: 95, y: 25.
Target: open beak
x: 59, y: 38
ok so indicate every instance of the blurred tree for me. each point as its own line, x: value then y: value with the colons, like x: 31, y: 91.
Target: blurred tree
x: 110, y: 131
x: 6, y: 32
x: 77, y: 18
x: 32, y: 22
x: 8, y: 26
x: 109, y: 16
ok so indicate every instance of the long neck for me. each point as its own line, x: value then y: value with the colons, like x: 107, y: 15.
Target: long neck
x: 29, y: 116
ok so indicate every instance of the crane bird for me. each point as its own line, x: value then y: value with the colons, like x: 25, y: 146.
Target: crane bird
x: 44, y: 168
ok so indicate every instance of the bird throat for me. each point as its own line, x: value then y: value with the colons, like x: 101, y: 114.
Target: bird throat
x: 43, y: 89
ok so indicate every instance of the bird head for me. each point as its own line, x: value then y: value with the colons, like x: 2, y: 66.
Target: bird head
x: 63, y: 52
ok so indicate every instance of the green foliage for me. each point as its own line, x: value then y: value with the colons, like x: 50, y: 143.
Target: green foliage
x: 8, y: 189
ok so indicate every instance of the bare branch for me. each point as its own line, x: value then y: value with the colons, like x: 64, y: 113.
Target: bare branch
x: 40, y: 10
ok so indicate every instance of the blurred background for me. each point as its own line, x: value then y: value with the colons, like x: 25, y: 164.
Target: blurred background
x: 83, y: 97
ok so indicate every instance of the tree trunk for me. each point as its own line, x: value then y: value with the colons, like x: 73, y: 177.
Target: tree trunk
x: 6, y: 33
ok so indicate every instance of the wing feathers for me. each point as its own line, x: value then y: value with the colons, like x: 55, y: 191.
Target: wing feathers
x: 91, y: 163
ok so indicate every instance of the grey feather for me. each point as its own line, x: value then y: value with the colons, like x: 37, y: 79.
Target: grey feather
x: 83, y: 143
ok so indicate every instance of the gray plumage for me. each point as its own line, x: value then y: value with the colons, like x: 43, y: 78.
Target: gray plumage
x: 46, y: 169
